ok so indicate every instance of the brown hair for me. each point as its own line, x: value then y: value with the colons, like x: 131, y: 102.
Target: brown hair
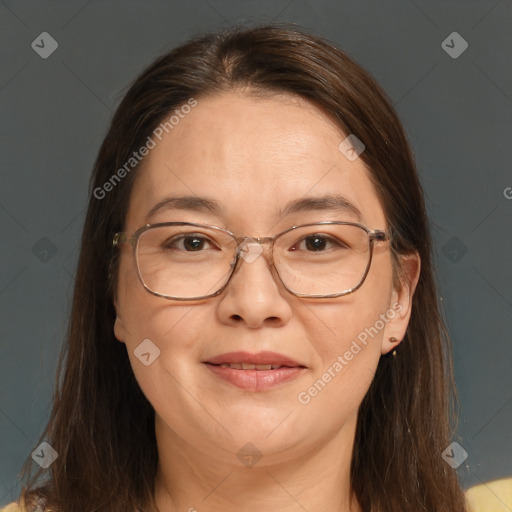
x: 101, y: 424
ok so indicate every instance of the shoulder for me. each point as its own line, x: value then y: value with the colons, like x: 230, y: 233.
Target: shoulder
x: 12, y: 507
x: 495, y: 496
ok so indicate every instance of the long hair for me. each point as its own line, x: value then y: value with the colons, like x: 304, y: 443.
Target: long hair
x: 101, y: 424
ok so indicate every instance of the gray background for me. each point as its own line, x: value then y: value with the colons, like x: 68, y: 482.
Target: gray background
x: 457, y: 113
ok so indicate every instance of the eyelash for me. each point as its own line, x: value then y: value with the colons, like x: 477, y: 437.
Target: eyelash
x: 338, y: 243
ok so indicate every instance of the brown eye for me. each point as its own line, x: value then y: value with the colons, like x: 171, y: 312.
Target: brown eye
x: 318, y: 243
x: 188, y: 243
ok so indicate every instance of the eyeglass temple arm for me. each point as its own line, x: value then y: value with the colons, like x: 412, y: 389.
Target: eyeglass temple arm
x: 119, y: 238
x: 380, y: 236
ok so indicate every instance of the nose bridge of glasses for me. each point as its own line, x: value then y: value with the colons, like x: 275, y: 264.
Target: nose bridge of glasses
x: 262, y: 240
x: 250, y: 248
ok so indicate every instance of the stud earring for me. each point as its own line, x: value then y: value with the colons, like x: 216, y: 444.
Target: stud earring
x: 393, y: 340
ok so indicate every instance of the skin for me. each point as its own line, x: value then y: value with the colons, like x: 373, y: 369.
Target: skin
x: 254, y: 155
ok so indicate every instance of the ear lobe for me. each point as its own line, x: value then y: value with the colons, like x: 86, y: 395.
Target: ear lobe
x: 401, y: 302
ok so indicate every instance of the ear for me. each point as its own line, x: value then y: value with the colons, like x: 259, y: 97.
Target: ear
x: 401, y: 301
x: 119, y: 329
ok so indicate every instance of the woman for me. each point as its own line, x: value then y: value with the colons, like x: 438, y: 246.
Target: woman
x: 255, y: 323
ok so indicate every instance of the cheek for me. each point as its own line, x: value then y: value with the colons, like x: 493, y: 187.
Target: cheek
x: 170, y: 326
x: 355, y: 319
x: 347, y: 337
x: 349, y: 356
x: 162, y: 345
x: 174, y: 332
x: 338, y: 386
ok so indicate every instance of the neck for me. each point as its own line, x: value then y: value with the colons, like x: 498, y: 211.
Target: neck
x: 198, y: 480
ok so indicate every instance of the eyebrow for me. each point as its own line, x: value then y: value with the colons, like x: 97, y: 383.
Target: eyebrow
x: 332, y: 202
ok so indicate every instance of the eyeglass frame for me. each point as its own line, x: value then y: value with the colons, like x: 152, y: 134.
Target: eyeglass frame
x: 133, y: 239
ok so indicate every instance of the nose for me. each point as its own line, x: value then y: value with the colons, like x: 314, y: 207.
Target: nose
x: 254, y: 295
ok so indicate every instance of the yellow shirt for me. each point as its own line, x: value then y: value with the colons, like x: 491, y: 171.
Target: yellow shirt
x: 12, y: 507
x: 495, y: 496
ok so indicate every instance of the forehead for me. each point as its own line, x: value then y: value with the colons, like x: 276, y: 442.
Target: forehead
x: 252, y: 156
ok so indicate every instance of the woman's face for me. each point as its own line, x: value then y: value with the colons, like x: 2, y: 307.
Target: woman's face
x: 253, y: 157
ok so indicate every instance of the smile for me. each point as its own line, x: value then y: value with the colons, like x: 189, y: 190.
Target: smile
x: 255, y: 372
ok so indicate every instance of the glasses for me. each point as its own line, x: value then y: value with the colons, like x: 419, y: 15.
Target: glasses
x: 189, y: 261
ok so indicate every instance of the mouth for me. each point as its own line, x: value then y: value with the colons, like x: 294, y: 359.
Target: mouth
x: 251, y: 366
x: 255, y: 372
x: 260, y: 361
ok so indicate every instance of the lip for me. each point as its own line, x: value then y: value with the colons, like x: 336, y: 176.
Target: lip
x: 265, y: 357
x: 255, y: 380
